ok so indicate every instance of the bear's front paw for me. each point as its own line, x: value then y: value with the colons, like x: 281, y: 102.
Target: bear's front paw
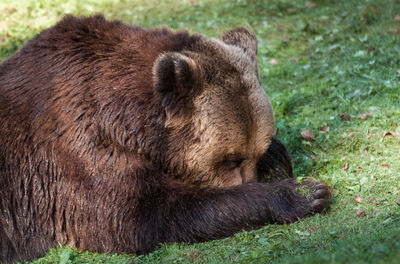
x: 321, y: 195
x: 312, y: 196
x: 300, y: 199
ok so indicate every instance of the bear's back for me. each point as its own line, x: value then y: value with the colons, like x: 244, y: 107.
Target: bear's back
x: 75, y: 44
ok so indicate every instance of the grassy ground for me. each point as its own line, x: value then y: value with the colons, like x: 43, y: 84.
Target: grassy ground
x: 317, y: 60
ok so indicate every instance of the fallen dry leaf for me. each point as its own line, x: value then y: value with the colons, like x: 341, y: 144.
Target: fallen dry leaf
x: 273, y: 61
x: 390, y: 134
x: 324, y: 129
x: 313, y: 157
x: 345, y: 116
x: 346, y: 166
x: 364, y: 116
x: 10, y: 9
x: 380, y: 202
x: 396, y: 18
x: 385, y: 165
x: 372, y: 199
x: 307, y: 135
x: 343, y: 158
x: 360, y: 213
x: 310, y: 4
x: 358, y: 199
x: 360, y: 169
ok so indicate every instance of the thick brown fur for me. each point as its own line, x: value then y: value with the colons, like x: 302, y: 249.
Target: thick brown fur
x: 115, y: 139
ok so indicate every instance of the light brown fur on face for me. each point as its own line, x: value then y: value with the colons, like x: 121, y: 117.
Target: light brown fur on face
x: 233, y: 119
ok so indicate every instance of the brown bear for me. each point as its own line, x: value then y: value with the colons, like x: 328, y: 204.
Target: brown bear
x: 115, y: 139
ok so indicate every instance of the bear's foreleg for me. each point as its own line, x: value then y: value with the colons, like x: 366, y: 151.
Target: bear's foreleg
x: 174, y: 212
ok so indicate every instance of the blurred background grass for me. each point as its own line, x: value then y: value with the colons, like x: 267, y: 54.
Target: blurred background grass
x: 317, y: 59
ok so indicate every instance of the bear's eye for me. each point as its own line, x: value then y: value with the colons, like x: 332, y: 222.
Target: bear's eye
x: 232, y: 164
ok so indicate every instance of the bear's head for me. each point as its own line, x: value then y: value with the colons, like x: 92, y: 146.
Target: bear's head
x: 218, y: 117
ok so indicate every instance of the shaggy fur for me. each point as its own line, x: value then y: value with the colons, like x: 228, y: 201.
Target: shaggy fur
x: 115, y: 138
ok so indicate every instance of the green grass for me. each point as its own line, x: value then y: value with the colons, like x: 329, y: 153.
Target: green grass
x: 334, y: 57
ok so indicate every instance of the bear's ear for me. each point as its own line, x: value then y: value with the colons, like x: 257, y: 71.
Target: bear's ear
x: 176, y: 79
x: 242, y: 38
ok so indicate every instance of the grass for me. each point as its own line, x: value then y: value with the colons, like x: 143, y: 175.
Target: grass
x: 332, y: 57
